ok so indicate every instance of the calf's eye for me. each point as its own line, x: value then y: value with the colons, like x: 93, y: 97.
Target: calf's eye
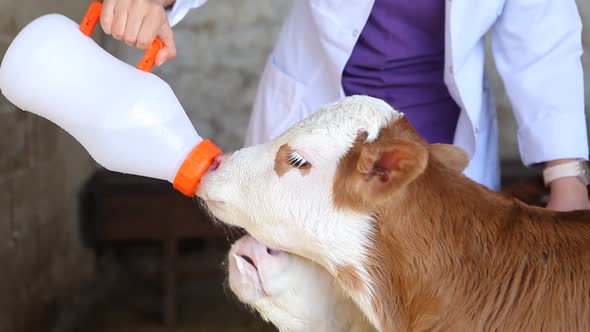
x: 296, y: 160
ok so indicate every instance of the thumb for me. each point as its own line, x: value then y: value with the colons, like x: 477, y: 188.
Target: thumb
x: 169, y: 50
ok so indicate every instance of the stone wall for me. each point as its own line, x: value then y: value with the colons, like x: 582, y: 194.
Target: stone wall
x: 42, y: 262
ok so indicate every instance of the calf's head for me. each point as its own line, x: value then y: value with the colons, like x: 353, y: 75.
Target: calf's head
x: 316, y: 189
x: 293, y: 293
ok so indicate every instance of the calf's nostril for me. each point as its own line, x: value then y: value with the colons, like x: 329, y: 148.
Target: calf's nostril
x: 272, y: 252
x: 214, y: 165
x: 249, y: 261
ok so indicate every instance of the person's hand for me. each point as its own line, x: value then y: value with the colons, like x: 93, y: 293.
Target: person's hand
x: 138, y: 23
x: 568, y: 194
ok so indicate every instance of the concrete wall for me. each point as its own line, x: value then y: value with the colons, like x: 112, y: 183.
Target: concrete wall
x: 42, y: 263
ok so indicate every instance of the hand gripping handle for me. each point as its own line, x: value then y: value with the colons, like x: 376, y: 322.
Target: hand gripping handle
x: 89, y: 24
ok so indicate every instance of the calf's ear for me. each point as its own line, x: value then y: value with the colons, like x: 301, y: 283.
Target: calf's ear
x: 372, y: 172
x: 387, y: 167
x: 450, y: 156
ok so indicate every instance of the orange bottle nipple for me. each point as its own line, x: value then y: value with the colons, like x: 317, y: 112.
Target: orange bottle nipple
x: 196, y: 164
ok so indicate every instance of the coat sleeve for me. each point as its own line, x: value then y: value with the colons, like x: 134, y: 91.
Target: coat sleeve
x: 180, y: 8
x: 537, y: 46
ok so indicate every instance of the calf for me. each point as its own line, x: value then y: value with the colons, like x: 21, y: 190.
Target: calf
x: 531, y: 191
x: 293, y: 293
x: 416, y: 244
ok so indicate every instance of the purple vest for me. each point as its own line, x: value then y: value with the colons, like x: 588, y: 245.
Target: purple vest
x: 399, y: 57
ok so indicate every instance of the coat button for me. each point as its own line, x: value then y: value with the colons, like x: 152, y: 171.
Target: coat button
x: 451, y: 69
x: 476, y: 130
x: 355, y: 33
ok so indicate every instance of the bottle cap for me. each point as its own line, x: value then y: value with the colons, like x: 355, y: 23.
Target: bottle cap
x: 196, y: 164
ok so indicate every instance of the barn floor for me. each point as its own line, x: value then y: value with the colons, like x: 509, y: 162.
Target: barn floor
x: 132, y: 300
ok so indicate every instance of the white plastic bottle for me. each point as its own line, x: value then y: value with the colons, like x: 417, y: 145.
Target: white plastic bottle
x: 129, y: 120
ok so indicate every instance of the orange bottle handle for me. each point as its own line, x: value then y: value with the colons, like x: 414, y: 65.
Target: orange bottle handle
x: 89, y: 24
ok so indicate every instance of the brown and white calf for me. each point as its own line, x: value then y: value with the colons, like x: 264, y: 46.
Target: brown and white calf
x: 416, y: 244
x: 293, y: 293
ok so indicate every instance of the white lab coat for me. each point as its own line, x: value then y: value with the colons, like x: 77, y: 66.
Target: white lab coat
x: 536, y: 45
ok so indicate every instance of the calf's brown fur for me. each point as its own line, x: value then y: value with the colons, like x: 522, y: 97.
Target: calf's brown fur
x: 449, y: 254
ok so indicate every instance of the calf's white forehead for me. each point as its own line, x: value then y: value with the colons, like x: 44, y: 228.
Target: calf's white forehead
x: 341, y: 122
